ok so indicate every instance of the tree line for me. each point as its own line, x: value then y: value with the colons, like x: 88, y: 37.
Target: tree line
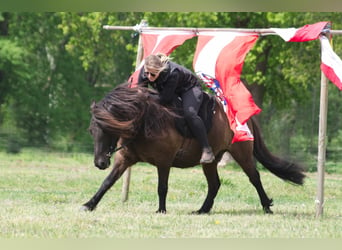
x: 54, y: 64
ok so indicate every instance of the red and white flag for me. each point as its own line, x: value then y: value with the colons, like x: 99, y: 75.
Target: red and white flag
x: 331, y: 64
x: 159, y: 42
x: 306, y: 33
x: 218, y: 61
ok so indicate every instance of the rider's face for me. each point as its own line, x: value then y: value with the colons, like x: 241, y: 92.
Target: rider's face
x: 151, y: 74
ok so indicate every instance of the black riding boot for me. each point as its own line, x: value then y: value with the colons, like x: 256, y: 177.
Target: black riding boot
x: 198, y: 129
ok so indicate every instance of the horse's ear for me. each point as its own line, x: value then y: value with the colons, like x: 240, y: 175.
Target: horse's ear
x: 93, y: 104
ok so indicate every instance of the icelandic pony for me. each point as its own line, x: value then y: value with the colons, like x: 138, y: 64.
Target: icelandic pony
x: 131, y: 122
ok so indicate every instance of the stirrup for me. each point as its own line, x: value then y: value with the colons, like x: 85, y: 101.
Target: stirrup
x: 207, y: 156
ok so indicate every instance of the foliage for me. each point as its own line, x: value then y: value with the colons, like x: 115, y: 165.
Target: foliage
x: 12, y: 67
x: 101, y: 52
x: 54, y: 64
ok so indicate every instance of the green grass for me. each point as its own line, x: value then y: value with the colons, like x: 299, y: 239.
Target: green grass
x: 41, y: 193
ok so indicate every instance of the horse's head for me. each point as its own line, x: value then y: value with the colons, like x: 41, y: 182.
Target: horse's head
x: 123, y: 113
x: 104, y: 144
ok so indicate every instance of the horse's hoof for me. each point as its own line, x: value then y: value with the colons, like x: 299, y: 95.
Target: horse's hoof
x: 267, y: 210
x: 160, y: 211
x: 85, y: 209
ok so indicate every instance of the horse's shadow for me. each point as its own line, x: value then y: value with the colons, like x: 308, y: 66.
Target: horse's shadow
x: 241, y: 212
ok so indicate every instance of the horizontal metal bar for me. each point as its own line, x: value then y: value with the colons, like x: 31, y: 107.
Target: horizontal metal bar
x: 139, y: 28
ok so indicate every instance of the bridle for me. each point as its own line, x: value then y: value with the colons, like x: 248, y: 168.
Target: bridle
x: 113, y: 149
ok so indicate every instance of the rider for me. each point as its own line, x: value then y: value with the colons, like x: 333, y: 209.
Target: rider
x: 171, y: 79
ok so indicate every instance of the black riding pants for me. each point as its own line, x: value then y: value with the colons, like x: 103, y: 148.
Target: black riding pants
x: 192, y: 100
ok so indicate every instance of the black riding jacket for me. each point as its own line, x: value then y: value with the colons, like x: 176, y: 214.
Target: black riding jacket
x: 171, y: 82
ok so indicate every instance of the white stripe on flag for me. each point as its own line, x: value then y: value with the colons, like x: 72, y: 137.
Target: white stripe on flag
x: 206, y: 60
x: 159, y: 39
x: 330, y: 59
x: 285, y: 33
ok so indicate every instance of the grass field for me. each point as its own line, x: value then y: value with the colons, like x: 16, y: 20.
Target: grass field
x: 41, y: 193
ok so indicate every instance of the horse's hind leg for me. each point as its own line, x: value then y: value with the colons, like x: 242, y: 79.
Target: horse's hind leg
x: 242, y: 152
x: 213, y: 180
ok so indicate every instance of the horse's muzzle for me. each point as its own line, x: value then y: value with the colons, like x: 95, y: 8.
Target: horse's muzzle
x: 102, y: 163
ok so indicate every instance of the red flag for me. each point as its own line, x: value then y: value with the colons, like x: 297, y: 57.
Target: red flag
x: 331, y: 64
x: 160, y: 42
x: 218, y: 60
x: 306, y: 33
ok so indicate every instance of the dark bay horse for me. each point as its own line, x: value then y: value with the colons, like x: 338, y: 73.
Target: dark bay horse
x: 130, y: 119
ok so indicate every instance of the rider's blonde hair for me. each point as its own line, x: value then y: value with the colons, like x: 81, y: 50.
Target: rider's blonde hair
x: 157, y: 63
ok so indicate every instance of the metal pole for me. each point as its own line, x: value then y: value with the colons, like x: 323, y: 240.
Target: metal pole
x: 321, y: 145
x: 127, y: 173
x: 139, y: 28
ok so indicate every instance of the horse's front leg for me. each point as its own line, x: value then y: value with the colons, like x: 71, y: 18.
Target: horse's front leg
x: 213, y: 181
x: 163, y: 179
x: 118, y: 169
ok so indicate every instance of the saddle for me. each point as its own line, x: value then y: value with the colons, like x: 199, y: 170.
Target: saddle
x: 206, y: 113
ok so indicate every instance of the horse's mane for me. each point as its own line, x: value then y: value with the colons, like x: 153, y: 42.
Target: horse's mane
x: 125, y: 111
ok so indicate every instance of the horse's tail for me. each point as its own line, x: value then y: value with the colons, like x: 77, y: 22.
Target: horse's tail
x: 282, y: 168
